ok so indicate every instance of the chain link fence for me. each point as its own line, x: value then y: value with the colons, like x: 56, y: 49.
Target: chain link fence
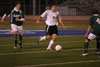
x: 65, y: 7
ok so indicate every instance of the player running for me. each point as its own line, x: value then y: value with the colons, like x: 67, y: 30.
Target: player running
x: 94, y: 24
x: 52, y: 20
x: 17, y: 19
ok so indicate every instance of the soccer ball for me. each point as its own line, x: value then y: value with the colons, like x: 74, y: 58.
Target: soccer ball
x: 58, y: 48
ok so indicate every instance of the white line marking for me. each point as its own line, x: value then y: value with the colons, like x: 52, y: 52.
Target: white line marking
x: 58, y: 26
x: 53, y: 64
x: 40, y: 52
x: 44, y: 43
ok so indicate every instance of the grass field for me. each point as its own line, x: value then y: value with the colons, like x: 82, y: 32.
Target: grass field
x: 34, y: 55
x: 42, y: 26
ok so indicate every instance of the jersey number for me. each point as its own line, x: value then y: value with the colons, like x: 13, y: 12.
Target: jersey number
x: 98, y: 20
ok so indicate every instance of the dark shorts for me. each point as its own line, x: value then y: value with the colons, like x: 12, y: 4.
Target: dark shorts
x: 51, y: 30
x: 98, y: 37
x: 96, y: 32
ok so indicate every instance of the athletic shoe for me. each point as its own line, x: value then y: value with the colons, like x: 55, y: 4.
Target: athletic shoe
x: 49, y: 49
x: 20, y: 46
x: 85, y: 54
x: 97, y: 53
x: 15, y: 46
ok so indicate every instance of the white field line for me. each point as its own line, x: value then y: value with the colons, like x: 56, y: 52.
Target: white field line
x: 1, y: 38
x: 33, y: 52
x: 64, y: 63
x: 45, y: 43
x: 41, y: 43
x: 58, y: 26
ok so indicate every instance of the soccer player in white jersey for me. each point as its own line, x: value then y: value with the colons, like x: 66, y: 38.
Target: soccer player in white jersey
x: 17, y: 19
x: 53, y: 18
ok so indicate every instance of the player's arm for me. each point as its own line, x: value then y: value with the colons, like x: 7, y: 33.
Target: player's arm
x: 88, y: 30
x: 89, y: 27
x: 5, y: 15
x: 38, y: 20
x: 60, y: 21
x: 22, y: 17
x: 41, y: 16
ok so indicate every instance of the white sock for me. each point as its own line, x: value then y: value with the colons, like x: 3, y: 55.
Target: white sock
x: 42, y: 38
x: 50, y: 44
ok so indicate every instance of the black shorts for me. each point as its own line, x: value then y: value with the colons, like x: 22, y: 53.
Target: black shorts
x: 98, y: 37
x: 51, y: 30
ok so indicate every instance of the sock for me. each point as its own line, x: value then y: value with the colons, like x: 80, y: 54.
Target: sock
x: 15, y: 41
x: 98, y: 45
x: 20, y: 39
x: 20, y: 43
x: 86, y: 47
x: 42, y: 38
x: 50, y: 44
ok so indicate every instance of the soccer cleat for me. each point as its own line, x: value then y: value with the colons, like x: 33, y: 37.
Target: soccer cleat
x: 85, y: 54
x: 15, y: 46
x: 97, y: 53
x: 49, y: 49
x: 20, y: 47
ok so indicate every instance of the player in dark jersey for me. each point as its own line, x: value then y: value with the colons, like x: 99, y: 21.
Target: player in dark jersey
x: 17, y: 19
x: 94, y: 24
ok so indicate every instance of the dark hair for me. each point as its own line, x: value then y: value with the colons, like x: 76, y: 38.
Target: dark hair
x: 18, y: 2
x: 52, y: 5
x: 94, y: 11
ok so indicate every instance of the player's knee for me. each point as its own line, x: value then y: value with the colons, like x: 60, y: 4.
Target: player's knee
x: 47, y: 38
x: 21, y: 34
x: 54, y: 37
x: 86, y: 40
x: 15, y: 32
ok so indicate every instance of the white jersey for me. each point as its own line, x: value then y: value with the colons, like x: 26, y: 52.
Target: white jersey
x: 52, y: 17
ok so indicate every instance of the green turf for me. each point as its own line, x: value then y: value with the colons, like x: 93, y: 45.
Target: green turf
x: 42, y: 26
x: 34, y: 54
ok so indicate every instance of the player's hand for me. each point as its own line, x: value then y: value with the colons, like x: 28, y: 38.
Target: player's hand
x: 85, y: 35
x: 64, y: 28
x: 2, y: 20
x: 38, y: 21
x: 17, y: 19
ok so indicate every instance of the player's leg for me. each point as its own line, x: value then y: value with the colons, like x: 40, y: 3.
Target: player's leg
x: 86, y: 44
x: 53, y: 31
x: 15, y: 39
x: 20, y: 30
x: 14, y: 30
x: 42, y: 38
x: 98, y: 46
x: 54, y: 36
x: 45, y: 37
x: 20, y: 40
